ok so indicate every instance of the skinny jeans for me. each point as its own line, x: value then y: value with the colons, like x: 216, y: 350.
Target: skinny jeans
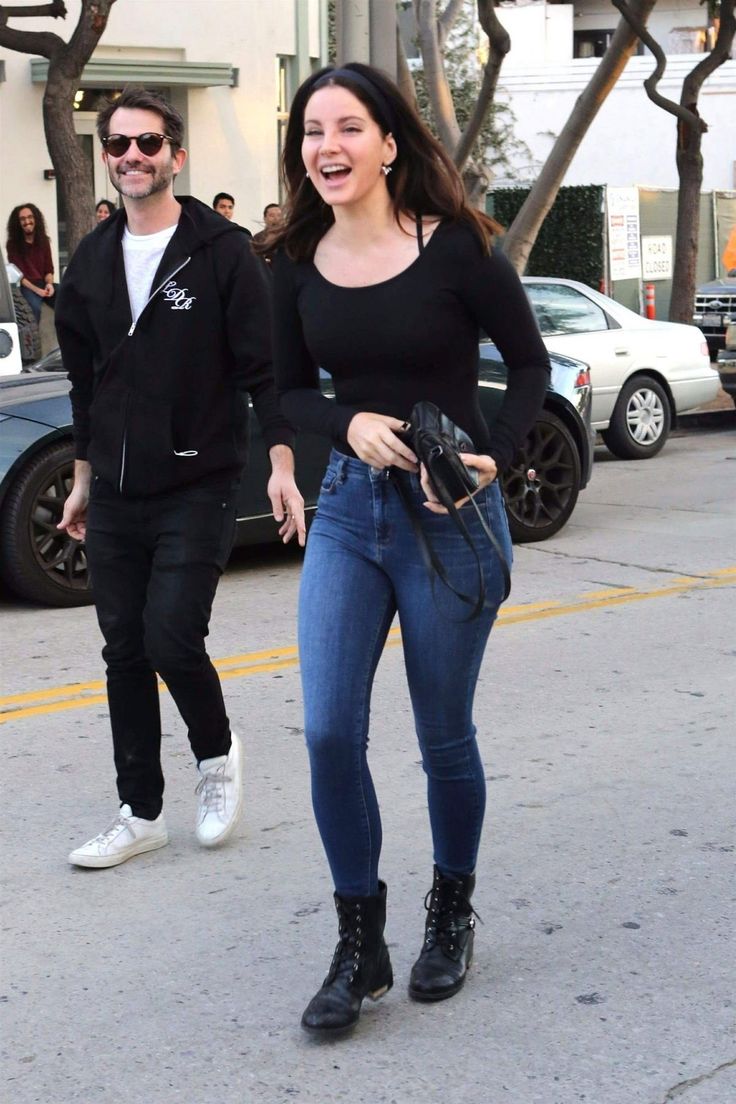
x: 155, y: 564
x: 363, y: 564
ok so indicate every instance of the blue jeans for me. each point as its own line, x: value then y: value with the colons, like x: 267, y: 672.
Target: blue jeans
x: 362, y: 566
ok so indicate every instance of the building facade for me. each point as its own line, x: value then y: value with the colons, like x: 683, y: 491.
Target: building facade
x: 555, y: 50
x: 230, y: 66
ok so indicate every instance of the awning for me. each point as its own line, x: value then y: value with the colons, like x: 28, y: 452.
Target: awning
x: 117, y: 72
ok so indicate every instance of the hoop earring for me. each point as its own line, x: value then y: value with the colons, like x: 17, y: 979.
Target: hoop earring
x: 386, y: 169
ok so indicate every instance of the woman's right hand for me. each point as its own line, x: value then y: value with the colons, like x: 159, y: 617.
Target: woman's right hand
x: 372, y: 439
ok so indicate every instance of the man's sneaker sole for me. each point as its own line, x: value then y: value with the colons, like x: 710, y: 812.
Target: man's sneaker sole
x: 101, y: 862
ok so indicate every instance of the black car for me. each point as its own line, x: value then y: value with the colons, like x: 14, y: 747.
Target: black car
x: 37, y: 466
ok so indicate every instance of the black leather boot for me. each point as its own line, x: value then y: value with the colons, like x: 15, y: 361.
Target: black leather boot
x: 443, y: 962
x: 360, y: 966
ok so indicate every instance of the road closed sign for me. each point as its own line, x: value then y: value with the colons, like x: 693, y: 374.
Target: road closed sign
x: 656, y: 257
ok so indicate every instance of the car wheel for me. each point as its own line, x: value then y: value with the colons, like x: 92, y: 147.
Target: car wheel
x: 36, y: 560
x: 641, y: 419
x: 543, y: 484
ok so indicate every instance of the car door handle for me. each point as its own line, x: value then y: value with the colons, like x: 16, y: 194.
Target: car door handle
x: 621, y: 352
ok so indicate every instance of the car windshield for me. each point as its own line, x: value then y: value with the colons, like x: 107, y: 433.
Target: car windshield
x: 564, y: 310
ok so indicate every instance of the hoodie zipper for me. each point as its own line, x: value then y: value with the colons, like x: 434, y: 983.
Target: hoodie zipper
x: 131, y: 331
x: 153, y: 295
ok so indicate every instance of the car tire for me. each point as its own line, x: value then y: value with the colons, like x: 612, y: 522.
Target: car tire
x: 641, y: 420
x: 29, y: 335
x: 36, y: 560
x: 542, y: 485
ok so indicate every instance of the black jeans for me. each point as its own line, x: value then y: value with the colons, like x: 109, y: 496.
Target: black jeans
x: 155, y: 564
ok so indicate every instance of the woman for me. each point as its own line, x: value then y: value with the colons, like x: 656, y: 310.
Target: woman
x: 104, y: 209
x: 29, y: 249
x: 383, y: 276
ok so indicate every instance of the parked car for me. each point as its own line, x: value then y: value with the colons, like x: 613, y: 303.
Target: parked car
x: 715, y: 309
x: 727, y: 361
x: 644, y: 373
x: 37, y: 465
x: 20, y: 339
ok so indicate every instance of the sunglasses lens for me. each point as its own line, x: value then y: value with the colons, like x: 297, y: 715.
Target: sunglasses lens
x: 117, y: 144
x: 149, y: 144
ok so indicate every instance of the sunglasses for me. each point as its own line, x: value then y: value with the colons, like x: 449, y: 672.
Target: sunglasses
x: 149, y: 143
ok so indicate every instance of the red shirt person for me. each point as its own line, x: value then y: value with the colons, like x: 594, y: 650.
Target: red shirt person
x: 29, y: 249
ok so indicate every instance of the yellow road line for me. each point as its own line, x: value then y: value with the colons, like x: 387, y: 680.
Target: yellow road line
x: 80, y: 694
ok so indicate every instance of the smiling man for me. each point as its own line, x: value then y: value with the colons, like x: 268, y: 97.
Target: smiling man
x: 163, y: 323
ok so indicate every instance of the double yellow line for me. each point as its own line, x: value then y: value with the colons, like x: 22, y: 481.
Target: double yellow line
x: 77, y: 695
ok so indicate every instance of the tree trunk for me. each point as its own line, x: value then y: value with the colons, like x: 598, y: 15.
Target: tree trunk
x: 66, y: 63
x: 522, y: 235
x: 690, y: 171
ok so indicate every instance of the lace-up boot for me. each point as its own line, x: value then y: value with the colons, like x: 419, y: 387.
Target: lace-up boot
x: 360, y: 966
x: 447, y: 953
x: 220, y: 793
x: 126, y: 836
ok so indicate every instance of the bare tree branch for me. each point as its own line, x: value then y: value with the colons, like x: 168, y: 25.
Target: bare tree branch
x: 499, y: 44
x: 520, y: 239
x: 446, y: 21
x: 438, y: 88
x: 44, y: 43
x: 652, y: 81
x: 404, y: 78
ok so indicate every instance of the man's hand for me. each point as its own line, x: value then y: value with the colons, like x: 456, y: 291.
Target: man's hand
x: 74, y: 519
x: 49, y: 291
x: 287, y: 502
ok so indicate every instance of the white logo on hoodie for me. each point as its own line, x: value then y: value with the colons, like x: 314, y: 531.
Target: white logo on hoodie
x: 178, y: 297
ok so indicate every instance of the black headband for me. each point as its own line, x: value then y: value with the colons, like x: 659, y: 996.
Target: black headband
x: 374, y: 93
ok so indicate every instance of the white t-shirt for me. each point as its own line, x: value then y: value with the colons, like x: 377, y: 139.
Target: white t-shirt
x: 142, y: 254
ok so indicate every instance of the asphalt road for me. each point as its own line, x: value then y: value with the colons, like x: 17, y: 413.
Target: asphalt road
x: 604, y: 964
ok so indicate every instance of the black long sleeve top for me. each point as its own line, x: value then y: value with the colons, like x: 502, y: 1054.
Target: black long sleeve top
x: 414, y: 336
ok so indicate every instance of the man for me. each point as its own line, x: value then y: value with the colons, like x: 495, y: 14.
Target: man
x: 163, y: 323
x: 29, y: 249
x: 273, y: 218
x: 224, y: 204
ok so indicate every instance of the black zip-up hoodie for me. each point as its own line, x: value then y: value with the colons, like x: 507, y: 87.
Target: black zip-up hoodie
x: 163, y: 402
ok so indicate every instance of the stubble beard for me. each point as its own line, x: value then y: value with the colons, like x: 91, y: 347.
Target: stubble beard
x: 158, y: 181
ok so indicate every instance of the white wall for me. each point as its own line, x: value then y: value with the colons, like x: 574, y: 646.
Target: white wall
x: 231, y: 132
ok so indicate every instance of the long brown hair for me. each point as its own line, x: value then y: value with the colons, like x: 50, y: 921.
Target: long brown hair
x: 16, y: 237
x: 424, y: 180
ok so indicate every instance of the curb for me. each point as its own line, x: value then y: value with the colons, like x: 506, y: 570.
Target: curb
x: 707, y: 419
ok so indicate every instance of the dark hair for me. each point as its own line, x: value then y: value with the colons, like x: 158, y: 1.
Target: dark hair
x: 270, y: 206
x: 424, y: 180
x: 16, y: 237
x: 219, y: 196
x: 143, y: 99
x: 106, y: 203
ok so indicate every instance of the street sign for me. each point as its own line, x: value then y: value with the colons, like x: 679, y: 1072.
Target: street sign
x: 656, y: 257
x: 622, y: 205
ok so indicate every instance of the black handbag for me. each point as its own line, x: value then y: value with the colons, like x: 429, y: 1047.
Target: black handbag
x: 437, y: 443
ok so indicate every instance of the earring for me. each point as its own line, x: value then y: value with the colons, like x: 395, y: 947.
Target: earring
x: 306, y: 176
x: 386, y: 169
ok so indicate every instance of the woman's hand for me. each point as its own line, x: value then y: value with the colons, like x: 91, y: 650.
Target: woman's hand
x: 487, y: 472
x: 372, y: 439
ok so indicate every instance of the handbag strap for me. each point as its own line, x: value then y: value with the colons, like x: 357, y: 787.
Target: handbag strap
x: 432, y: 561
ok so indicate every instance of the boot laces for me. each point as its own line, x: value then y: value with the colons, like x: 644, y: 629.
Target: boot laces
x: 448, y: 914
x: 349, y: 949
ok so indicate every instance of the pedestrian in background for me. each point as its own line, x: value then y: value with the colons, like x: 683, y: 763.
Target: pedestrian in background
x: 29, y: 249
x: 104, y: 209
x: 383, y: 276
x: 273, y: 219
x: 163, y: 324
x: 224, y: 204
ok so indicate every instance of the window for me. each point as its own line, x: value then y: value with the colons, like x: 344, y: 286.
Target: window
x: 564, y: 310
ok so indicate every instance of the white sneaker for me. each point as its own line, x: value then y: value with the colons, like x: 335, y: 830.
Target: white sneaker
x: 220, y: 793
x: 127, y: 836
